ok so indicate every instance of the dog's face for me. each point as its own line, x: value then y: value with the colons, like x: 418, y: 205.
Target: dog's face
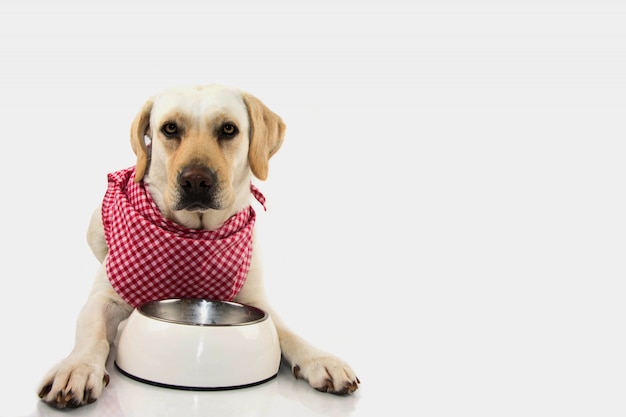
x: 204, y: 144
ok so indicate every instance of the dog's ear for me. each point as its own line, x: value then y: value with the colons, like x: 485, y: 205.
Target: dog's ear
x: 138, y: 130
x: 267, y: 132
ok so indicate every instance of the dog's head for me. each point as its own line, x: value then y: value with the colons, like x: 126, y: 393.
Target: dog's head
x: 197, y: 147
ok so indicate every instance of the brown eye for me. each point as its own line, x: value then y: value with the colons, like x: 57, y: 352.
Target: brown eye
x: 229, y: 130
x: 169, y: 129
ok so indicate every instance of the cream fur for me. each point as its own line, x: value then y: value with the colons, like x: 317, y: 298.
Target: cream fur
x: 80, y: 378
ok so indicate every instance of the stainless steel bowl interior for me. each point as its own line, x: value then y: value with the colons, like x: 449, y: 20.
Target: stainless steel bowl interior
x: 202, y: 312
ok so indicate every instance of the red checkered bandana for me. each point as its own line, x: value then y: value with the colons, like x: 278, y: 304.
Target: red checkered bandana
x: 152, y: 258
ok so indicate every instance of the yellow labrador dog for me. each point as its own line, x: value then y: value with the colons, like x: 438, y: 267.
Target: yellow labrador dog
x: 197, y: 149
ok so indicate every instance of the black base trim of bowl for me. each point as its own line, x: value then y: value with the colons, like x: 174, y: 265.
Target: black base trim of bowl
x: 185, y: 388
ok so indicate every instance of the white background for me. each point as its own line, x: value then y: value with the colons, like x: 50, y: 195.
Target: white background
x: 447, y: 212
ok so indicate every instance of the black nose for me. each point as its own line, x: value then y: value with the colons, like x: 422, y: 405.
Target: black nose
x: 194, y: 180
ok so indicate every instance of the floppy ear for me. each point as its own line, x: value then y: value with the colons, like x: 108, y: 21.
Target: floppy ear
x: 267, y: 132
x: 139, y: 129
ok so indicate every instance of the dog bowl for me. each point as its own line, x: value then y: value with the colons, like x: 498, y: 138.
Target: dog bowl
x: 198, y: 344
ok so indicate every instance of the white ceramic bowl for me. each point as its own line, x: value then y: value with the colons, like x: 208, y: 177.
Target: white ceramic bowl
x: 199, y: 344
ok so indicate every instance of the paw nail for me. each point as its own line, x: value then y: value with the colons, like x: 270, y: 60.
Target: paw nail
x: 89, y: 396
x: 330, y: 387
x: 45, y: 391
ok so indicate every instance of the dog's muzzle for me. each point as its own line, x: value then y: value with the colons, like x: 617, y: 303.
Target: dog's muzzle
x: 198, y: 186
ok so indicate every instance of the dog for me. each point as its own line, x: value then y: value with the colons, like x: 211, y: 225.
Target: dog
x: 197, y: 149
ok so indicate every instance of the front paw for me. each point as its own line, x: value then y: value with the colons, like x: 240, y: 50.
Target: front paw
x: 327, y: 374
x: 73, y: 383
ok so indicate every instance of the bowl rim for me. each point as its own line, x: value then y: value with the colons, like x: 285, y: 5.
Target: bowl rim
x: 142, y: 307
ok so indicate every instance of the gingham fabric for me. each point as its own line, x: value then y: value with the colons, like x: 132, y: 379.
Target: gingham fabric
x: 152, y: 258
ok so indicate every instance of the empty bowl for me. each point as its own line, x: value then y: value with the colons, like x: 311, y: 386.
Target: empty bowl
x: 199, y: 344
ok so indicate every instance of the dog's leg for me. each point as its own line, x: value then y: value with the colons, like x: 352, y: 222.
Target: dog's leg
x: 80, y: 378
x: 323, y: 371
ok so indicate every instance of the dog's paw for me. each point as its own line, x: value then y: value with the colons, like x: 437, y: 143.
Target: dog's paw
x: 72, y: 384
x: 327, y: 374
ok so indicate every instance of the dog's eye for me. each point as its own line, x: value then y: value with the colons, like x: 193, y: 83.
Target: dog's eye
x: 170, y: 129
x: 229, y: 130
